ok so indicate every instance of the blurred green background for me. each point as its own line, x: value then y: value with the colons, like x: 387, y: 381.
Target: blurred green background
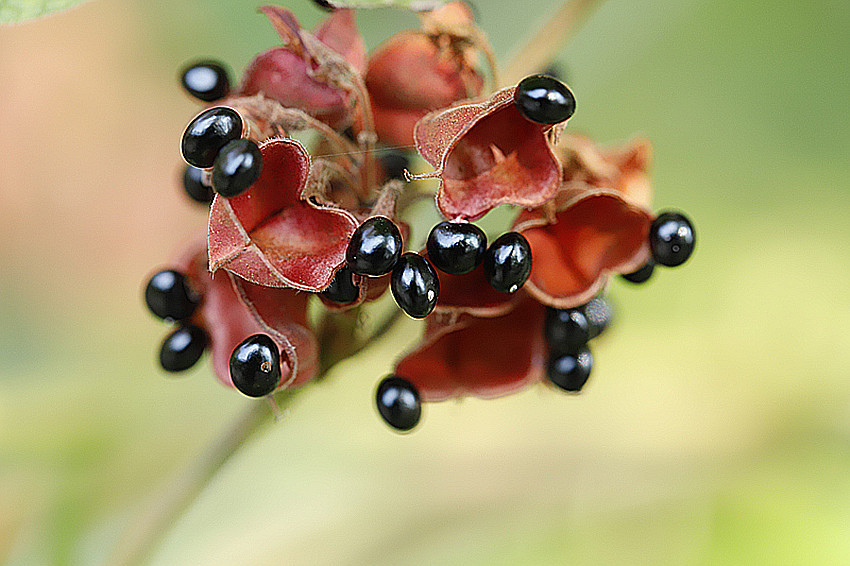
x: 716, y: 427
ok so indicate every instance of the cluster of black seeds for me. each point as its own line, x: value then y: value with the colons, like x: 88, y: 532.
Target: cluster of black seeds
x: 567, y: 332
x: 254, y: 363
x: 376, y: 248
x: 213, y: 139
x: 219, y: 160
x: 456, y: 248
x: 169, y: 297
x: 459, y: 248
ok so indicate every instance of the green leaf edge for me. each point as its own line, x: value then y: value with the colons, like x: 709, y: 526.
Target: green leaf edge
x: 20, y: 11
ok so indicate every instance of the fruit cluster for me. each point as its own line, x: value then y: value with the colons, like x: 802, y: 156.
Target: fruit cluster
x: 290, y: 226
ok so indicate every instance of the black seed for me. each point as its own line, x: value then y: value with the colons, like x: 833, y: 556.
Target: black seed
x: 324, y: 5
x: 544, y: 99
x: 394, y: 165
x: 642, y: 275
x: 237, y: 167
x: 566, y: 330
x: 342, y: 289
x: 671, y: 239
x: 168, y: 296
x: 456, y: 247
x: 210, y: 131
x: 398, y: 403
x: 570, y: 371
x: 599, y: 314
x: 182, y: 348
x: 255, y: 366
x: 507, y: 262
x: 415, y: 285
x: 206, y: 80
x: 195, y: 187
x: 374, y: 247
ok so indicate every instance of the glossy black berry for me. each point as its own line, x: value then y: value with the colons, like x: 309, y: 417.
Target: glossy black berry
x: 237, y: 167
x: 193, y: 183
x: 671, y: 239
x: 374, y: 247
x: 544, y: 99
x: 570, y: 371
x: 206, y: 80
x: 642, y: 275
x: 566, y: 330
x: 398, y: 403
x: 415, y: 285
x: 342, y: 289
x: 255, y: 366
x: 168, y: 296
x: 599, y: 314
x: 507, y: 262
x: 210, y: 131
x: 456, y: 247
x: 394, y: 165
x: 182, y: 348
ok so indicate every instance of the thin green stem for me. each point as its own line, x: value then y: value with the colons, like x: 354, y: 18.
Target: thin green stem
x: 145, y: 533
x: 544, y: 45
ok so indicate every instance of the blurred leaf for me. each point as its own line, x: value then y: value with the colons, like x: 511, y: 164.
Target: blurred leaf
x: 14, y: 11
x: 417, y: 5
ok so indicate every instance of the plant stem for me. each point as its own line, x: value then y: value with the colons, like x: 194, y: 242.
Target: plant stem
x: 145, y: 533
x: 542, y: 47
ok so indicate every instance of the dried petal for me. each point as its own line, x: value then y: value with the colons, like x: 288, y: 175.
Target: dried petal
x: 488, y: 154
x: 623, y: 169
x: 276, y: 234
x: 455, y: 19
x: 339, y: 32
x: 485, y: 357
x: 307, y: 73
x: 282, y: 76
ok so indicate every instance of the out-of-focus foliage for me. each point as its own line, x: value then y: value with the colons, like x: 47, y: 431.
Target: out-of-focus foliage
x: 13, y: 11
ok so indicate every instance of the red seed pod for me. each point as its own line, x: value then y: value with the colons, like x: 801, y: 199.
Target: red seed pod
x: 484, y: 357
x: 597, y: 225
x: 280, y: 232
x: 315, y: 73
x: 487, y: 154
x: 233, y: 309
x: 477, y: 342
